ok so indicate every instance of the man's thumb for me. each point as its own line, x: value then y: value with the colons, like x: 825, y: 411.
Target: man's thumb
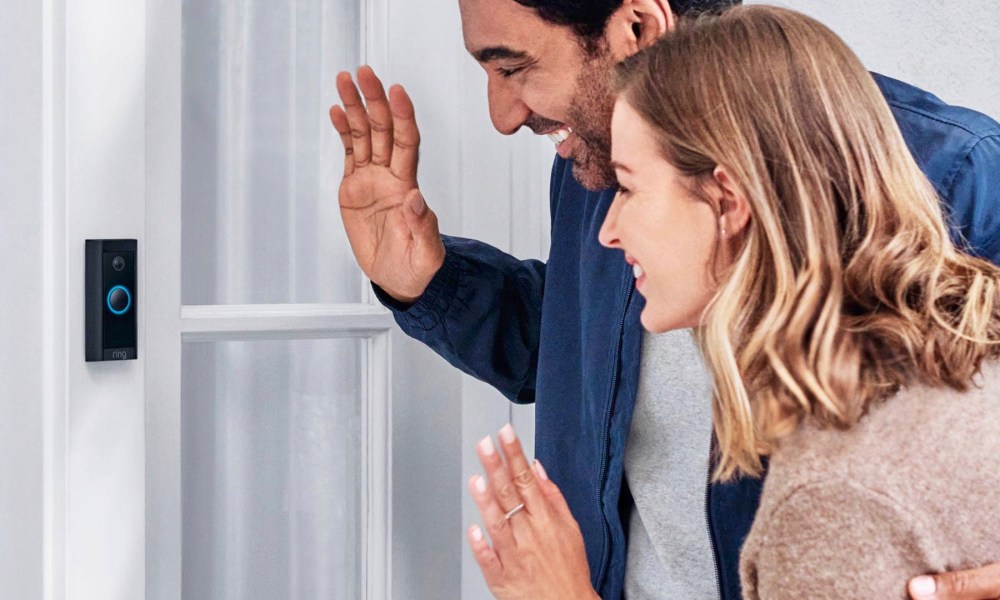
x: 419, y: 218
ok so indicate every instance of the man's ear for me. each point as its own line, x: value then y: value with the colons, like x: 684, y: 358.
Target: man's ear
x: 734, y: 208
x: 637, y: 24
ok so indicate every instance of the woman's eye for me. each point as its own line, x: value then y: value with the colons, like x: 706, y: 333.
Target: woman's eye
x: 622, y: 191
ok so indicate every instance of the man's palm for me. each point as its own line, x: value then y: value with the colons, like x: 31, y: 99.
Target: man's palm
x: 393, y: 234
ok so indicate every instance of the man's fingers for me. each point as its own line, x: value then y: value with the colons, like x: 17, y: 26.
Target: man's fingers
x: 522, y: 474
x: 339, y: 119
x: 406, y: 135
x: 379, y: 116
x: 357, y: 117
x: 493, y: 516
x: 489, y: 562
x: 973, y: 584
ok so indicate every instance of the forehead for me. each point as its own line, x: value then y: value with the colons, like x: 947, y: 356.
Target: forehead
x: 630, y: 135
x: 489, y: 24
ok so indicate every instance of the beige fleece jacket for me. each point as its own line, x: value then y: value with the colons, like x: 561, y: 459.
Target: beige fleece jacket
x: 913, y: 488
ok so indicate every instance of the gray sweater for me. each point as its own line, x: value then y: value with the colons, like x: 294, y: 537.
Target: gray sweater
x: 913, y: 488
x: 666, y: 465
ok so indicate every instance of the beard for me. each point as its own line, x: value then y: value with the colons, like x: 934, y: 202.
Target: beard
x: 590, y: 114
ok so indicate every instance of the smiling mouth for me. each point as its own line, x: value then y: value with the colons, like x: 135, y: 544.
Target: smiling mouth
x: 559, y: 135
x: 637, y: 271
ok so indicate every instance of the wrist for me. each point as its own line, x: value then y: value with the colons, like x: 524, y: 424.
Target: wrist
x: 418, y: 287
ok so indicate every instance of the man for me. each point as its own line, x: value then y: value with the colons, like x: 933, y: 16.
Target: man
x: 565, y: 334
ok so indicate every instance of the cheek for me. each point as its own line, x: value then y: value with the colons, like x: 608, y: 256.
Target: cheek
x: 679, y: 280
x: 550, y: 95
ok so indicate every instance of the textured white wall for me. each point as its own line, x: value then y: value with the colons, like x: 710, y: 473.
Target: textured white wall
x: 949, y: 48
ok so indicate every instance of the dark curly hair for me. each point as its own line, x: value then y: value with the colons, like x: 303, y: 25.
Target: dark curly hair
x: 589, y: 17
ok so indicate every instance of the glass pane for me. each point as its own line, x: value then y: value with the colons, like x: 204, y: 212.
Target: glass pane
x: 272, y: 437
x: 261, y: 163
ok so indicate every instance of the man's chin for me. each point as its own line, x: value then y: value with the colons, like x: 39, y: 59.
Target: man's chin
x: 593, y: 175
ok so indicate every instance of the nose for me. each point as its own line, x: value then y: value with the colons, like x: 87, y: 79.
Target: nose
x: 507, y: 111
x: 608, y: 235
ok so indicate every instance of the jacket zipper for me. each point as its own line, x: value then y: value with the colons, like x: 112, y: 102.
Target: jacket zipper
x: 606, y: 556
x: 708, y: 520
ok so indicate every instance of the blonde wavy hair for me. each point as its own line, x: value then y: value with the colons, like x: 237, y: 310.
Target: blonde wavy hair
x: 845, y: 285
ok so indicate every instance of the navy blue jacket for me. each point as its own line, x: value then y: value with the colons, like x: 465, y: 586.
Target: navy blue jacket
x: 566, y: 334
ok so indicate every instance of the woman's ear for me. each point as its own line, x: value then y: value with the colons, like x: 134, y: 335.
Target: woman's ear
x: 637, y: 24
x: 734, y: 208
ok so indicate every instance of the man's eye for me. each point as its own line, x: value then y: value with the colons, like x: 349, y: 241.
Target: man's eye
x: 622, y: 191
x: 507, y: 73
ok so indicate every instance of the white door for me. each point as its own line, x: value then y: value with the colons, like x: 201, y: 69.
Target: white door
x: 275, y: 437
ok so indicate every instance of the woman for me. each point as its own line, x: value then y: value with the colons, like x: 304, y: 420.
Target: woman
x: 772, y: 206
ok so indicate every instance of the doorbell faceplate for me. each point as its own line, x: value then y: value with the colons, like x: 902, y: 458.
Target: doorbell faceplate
x: 111, y: 300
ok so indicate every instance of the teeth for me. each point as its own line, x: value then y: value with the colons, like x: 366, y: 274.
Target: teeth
x: 560, y: 136
x: 637, y: 271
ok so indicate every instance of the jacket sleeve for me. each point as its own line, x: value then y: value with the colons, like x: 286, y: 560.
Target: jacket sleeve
x: 834, y: 539
x: 482, y: 313
x: 974, y: 196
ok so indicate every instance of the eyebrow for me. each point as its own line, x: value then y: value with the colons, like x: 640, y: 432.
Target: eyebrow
x: 492, y: 53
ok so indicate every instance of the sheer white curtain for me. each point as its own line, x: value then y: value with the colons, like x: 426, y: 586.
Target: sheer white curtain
x: 272, y: 430
x: 261, y: 223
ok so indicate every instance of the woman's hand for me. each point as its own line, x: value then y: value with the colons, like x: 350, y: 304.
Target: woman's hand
x: 537, y: 550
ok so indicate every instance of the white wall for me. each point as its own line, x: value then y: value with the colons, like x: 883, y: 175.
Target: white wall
x: 951, y: 49
x: 21, y: 301
x: 70, y: 171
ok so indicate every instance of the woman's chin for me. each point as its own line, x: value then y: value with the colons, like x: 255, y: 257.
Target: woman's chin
x: 655, y: 322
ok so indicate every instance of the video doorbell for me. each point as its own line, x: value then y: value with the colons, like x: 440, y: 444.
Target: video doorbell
x: 111, y: 300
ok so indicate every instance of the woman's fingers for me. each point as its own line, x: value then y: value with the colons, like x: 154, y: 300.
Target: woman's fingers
x: 553, y: 495
x: 406, y: 135
x: 357, y: 117
x: 494, y: 517
x: 489, y: 562
x: 504, y: 490
x: 522, y: 474
x: 339, y: 119
x: 379, y: 116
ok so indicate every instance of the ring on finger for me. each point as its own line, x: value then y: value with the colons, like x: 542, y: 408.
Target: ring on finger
x: 514, y: 511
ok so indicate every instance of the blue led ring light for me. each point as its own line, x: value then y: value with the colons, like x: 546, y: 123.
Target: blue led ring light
x: 127, y: 295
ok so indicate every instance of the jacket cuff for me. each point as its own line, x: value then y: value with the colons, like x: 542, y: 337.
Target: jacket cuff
x: 429, y: 309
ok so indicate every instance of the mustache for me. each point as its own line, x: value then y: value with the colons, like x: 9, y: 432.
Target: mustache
x: 540, y: 125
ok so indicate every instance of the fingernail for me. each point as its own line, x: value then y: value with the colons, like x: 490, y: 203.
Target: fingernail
x: 540, y: 469
x: 507, y: 434
x: 480, y: 485
x: 486, y: 446
x: 923, y: 585
x: 418, y: 206
x: 477, y: 533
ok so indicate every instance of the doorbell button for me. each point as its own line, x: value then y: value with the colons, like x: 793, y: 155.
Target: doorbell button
x: 119, y: 300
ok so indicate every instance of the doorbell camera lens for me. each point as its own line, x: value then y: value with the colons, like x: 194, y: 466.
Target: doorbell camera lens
x: 118, y: 263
